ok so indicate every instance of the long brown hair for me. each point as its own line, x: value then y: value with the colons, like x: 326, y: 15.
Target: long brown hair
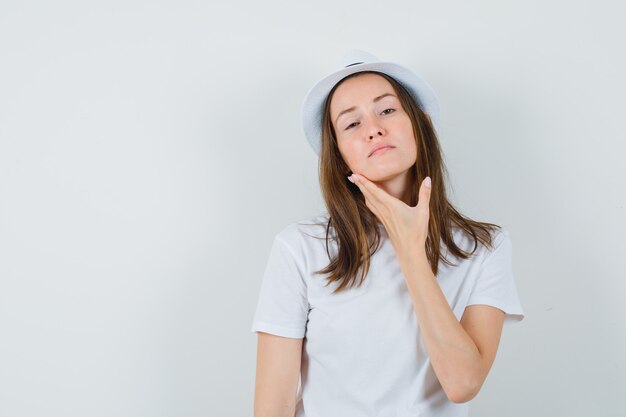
x: 356, y: 227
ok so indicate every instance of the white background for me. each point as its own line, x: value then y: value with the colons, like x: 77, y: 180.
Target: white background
x: 150, y: 150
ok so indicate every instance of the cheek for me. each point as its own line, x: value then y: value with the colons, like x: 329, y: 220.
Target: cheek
x: 411, y: 144
x: 410, y: 138
x: 350, y: 153
x: 411, y: 154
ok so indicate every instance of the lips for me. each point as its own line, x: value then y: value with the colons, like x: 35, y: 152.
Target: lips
x: 380, y: 147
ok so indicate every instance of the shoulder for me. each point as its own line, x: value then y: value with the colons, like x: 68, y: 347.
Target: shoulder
x: 500, y: 238
x: 299, y: 233
x: 502, y: 246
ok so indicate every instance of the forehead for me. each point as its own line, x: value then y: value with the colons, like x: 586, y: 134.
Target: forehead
x: 360, y: 89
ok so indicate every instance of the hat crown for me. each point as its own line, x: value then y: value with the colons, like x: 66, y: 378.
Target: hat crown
x: 356, y: 56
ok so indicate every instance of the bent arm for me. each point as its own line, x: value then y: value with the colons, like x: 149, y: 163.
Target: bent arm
x: 461, y: 353
x: 277, y: 375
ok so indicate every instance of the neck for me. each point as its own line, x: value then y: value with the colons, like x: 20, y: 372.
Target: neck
x: 398, y: 187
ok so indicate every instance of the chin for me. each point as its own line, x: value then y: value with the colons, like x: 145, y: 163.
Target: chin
x: 385, y: 177
x: 385, y: 174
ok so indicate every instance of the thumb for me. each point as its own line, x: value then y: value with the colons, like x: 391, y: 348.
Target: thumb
x: 424, y: 193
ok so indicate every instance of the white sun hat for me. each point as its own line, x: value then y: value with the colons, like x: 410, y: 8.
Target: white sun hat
x: 358, y: 61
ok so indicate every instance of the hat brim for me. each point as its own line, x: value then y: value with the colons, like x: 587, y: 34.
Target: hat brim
x: 313, y: 105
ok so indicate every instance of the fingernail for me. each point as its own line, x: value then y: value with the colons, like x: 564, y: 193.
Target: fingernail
x: 427, y: 182
x: 350, y: 179
x: 356, y: 177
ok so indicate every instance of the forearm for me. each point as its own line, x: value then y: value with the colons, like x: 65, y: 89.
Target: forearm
x: 453, y: 354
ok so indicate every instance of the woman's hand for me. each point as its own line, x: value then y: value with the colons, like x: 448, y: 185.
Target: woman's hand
x: 406, y: 226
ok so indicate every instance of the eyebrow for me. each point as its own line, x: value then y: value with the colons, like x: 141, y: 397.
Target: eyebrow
x: 354, y: 107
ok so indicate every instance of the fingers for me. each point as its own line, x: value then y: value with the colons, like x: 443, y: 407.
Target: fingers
x: 424, y: 194
x: 404, y: 224
x: 376, y: 199
x: 368, y: 188
x: 372, y: 191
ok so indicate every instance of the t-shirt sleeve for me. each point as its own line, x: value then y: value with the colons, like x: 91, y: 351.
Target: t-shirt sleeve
x: 495, y: 284
x: 283, y: 306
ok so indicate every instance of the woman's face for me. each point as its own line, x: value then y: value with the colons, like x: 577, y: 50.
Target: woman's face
x: 366, y: 113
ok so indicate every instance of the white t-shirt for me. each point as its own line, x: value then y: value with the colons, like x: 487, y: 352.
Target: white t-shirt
x: 363, y: 354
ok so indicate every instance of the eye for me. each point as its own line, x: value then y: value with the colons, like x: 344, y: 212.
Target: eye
x: 392, y: 110
x: 350, y: 125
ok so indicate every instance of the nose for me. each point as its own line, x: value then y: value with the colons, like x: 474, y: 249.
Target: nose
x: 374, y: 129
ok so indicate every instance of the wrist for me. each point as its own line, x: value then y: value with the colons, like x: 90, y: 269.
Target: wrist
x: 412, y: 254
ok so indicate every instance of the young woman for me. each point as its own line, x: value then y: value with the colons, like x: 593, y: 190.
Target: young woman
x: 392, y: 303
